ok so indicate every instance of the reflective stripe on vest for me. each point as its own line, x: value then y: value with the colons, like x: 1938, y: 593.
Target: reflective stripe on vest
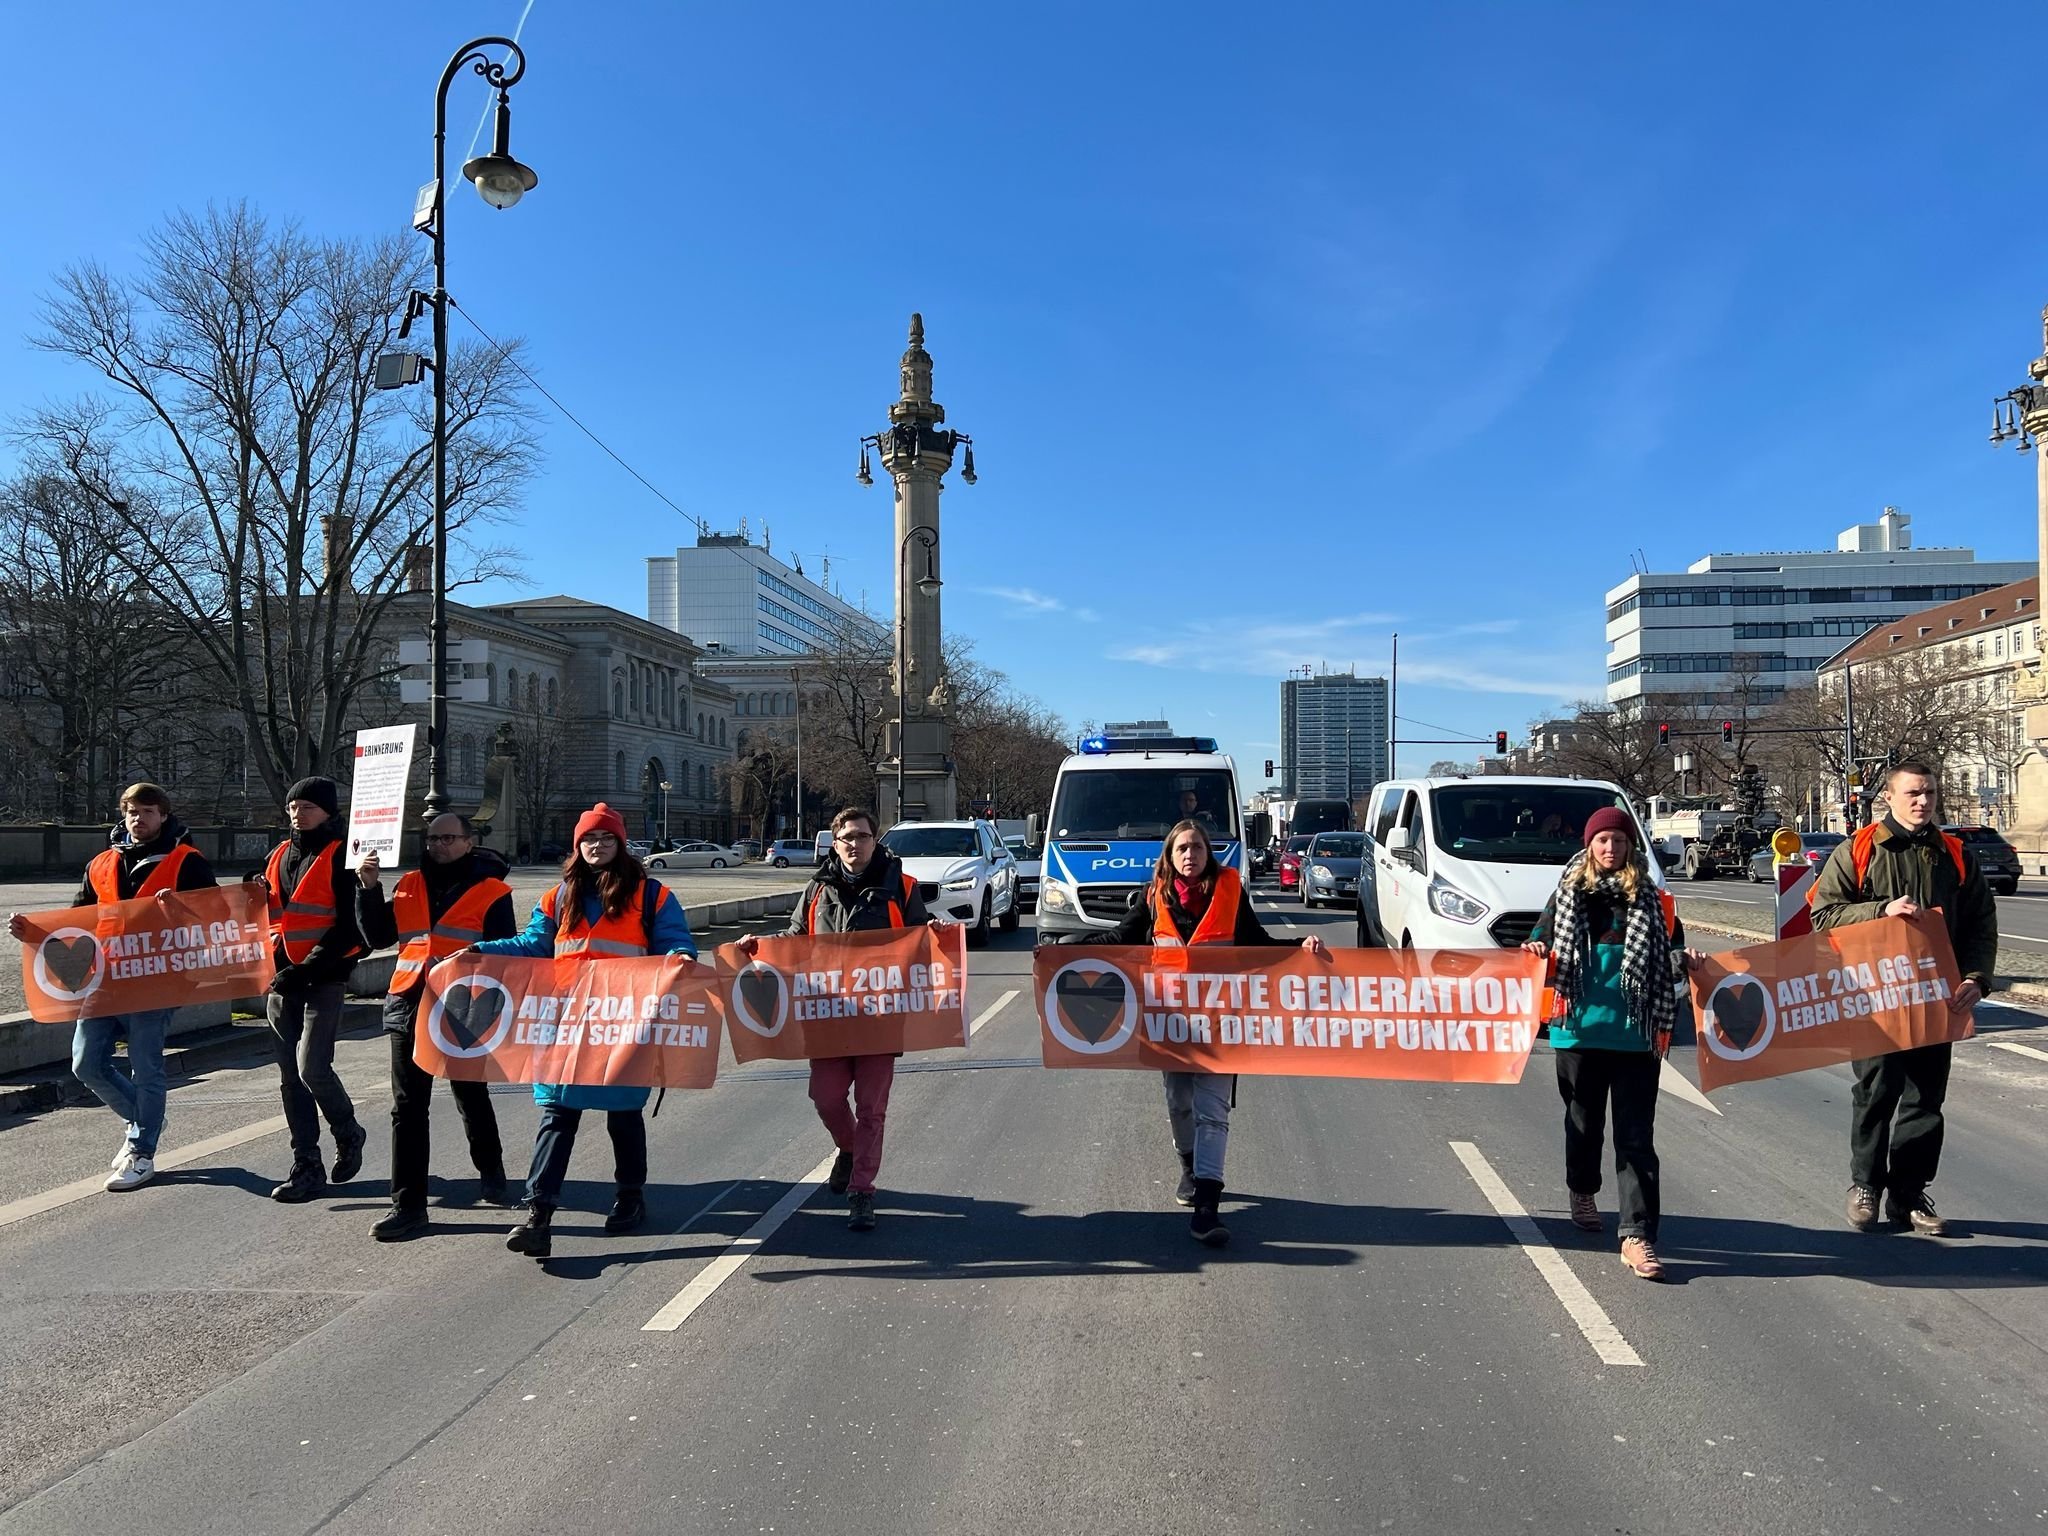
x: 421, y: 944
x: 896, y: 910
x: 303, y: 917
x: 1863, y: 847
x: 103, y: 874
x: 625, y: 934
x: 1219, y: 918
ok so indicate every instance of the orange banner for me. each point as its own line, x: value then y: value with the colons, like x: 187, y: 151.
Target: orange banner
x: 1440, y: 1016
x: 168, y: 951
x: 847, y: 994
x: 1823, y: 998
x: 649, y: 1021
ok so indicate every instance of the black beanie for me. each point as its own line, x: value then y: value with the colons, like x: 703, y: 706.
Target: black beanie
x: 324, y: 793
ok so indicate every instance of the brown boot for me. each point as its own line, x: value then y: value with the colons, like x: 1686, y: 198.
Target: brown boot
x: 1640, y: 1255
x: 1862, y: 1208
x: 1917, y: 1212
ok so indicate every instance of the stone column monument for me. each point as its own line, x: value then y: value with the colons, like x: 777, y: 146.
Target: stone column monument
x: 917, y: 450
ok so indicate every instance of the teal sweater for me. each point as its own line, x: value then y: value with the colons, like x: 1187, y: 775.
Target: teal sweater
x: 1599, y: 1021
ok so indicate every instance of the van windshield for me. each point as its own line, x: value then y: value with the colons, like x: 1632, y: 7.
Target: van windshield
x: 1112, y: 804
x: 1516, y: 823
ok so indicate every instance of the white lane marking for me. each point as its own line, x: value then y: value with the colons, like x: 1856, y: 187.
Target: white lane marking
x: 1674, y: 1082
x: 989, y: 1012
x: 1593, y: 1321
x: 2023, y: 938
x: 51, y: 1199
x: 2017, y: 1049
x: 721, y: 1269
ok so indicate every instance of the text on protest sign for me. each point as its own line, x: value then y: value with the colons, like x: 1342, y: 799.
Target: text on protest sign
x: 649, y: 1021
x: 1824, y: 998
x: 846, y: 994
x: 376, y: 796
x: 1447, y: 1016
x: 168, y: 951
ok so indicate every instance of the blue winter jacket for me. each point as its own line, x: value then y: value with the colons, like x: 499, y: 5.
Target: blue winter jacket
x: 671, y: 936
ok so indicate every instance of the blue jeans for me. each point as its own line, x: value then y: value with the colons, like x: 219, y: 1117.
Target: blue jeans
x: 1198, y: 1108
x: 136, y: 1095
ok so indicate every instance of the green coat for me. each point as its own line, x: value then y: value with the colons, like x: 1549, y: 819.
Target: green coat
x: 1599, y: 1021
x: 1928, y: 875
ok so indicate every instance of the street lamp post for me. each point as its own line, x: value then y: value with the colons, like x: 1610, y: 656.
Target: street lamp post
x: 665, y: 788
x: 501, y: 181
x: 928, y: 584
x: 796, y: 675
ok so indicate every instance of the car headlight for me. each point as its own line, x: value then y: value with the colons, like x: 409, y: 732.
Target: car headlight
x: 964, y: 883
x: 1320, y: 871
x: 1448, y: 901
x: 1055, y: 898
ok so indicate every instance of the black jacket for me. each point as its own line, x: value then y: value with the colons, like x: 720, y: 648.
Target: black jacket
x: 445, y: 885
x: 138, y: 859
x: 335, y: 955
x: 1136, y: 927
x: 849, y: 905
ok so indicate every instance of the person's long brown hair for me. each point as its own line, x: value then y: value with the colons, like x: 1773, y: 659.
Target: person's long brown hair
x: 614, y: 883
x: 1162, y: 872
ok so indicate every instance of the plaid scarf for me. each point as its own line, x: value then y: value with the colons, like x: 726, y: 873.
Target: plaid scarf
x: 1646, y: 974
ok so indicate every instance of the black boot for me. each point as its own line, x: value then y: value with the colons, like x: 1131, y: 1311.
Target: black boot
x: 842, y: 1173
x: 348, y: 1152
x: 1207, y: 1227
x: 399, y: 1222
x: 860, y: 1211
x: 629, y: 1209
x: 1185, y: 1193
x: 306, y: 1180
x: 535, y: 1238
x: 492, y: 1189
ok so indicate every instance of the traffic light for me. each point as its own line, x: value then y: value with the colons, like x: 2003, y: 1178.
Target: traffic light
x: 1663, y: 735
x: 1727, y: 732
x: 1269, y: 767
x: 1500, y: 741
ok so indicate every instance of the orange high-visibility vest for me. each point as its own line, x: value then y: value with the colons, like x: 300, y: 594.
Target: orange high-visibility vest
x: 625, y: 934
x: 423, y: 940
x: 103, y: 874
x: 303, y: 916
x: 1219, y: 919
x: 1863, y: 847
x: 896, y: 908
x: 1665, y: 901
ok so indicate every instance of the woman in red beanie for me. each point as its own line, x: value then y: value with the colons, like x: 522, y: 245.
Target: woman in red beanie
x: 1619, y: 973
x: 604, y: 906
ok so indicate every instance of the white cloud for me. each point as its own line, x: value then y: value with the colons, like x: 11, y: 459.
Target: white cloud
x: 1026, y: 600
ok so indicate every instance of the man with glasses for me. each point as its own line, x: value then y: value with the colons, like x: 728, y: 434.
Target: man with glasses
x: 457, y: 898
x: 859, y: 885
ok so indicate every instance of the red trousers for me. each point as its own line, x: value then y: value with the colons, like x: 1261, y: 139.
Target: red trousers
x: 859, y: 1129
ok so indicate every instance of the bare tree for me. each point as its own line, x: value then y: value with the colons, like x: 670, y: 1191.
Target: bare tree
x: 544, y: 742
x: 1616, y: 745
x: 271, y: 494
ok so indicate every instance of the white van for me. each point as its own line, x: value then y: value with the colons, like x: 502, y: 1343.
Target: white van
x: 1467, y: 863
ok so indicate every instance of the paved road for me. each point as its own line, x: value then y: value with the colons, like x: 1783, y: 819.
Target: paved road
x: 1031, y: 1341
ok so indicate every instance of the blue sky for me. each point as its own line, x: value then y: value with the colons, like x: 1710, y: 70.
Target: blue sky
x: 1274, y: 335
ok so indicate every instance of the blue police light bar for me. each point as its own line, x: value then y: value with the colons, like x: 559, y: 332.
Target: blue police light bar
x: 1097, y: 745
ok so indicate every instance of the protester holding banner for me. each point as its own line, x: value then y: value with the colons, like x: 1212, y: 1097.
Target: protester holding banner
x: 1620, y: 963
x: 457, y: 898
x: 313, y: 919
x: 148, y: 854
x: 1194, y: 900
x: 860, y: 886
x: 605, y: 906
x: 1894, y: 867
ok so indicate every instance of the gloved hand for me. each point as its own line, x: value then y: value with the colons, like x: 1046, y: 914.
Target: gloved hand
x: 290, y: 981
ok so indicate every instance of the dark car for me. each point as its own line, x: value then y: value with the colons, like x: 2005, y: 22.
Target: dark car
x: 1997, y: 858
x: 1329, y: 869
x: 1290, y: 862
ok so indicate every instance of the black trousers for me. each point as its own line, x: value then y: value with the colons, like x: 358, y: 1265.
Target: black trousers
x: 1589, y: 1080
x: 1899, y: 1153
x: 411, y: 1095
x: 556, y: 1139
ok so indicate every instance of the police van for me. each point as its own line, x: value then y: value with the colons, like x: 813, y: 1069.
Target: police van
x: 1112, y: 806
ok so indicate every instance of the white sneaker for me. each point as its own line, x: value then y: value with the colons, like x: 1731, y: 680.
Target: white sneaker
x: 133, y: 1173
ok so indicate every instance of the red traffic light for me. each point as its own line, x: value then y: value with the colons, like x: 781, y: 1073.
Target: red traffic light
x: 1727, y: 731
x: 1663, y: 735
x: 1500, y: 741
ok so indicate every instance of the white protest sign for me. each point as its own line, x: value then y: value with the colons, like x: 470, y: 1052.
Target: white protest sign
x: 376, y: 807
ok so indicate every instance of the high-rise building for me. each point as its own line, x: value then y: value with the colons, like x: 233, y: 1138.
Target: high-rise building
x: 1333, y: 735
x: 1757, y: 624
x: 734, y: 598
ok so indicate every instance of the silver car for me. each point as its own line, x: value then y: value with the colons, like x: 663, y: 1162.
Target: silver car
x: 1329, y: 868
